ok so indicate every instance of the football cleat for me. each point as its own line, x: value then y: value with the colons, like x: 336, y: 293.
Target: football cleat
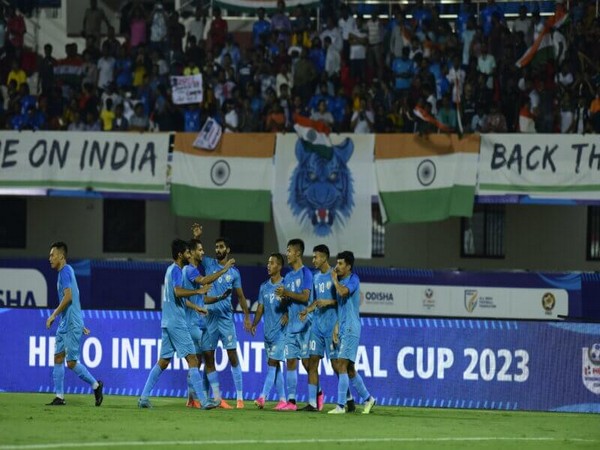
x: 191, y: 403
x: 369, y: 405
x: 320, y: 400
x: 144, y: 403
x: 337, y: 410
x: 98, y: 394
x: 279, y: 406
x: 239, y: 404
x: 309, y: 408
x: 224, y: 405
x: 57, y: 401
x: 260, y: 402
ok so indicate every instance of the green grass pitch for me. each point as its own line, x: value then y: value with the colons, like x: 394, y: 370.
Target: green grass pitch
x: 26, y: 423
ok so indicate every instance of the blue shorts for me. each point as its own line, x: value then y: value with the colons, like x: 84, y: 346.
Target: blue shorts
x: 296, y: 344
x: 276, y: 349
x: 321, y: 345
x: 348, y: 347
x: 68, y: 341
x: 220, y: 329
x: 176, y: 339
x: 197, y: 334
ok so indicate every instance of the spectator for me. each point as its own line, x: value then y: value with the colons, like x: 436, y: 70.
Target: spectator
x: 375, y: 45
x: 191, y: 118
x: 487, y: 14
x: 305, y: 75
x: 92, y: 21
x: 137, y: 25
x: 91, y: 121
x: 280, y: 23
x: 363, y: 120
x: 322, y: 94
x: 494, y: 121
x: 347, y: 25
x: 261, y: 29
x: 196, y: 26
x: 139, y: 121
x: 120, y: 123
x: 217, y: 33
x: 567, y: 124
x: 275, y: 120
x: 322, y: 114
x: 333, y: 32
x: 111, y: 42
x: 404, y: 70
x: 446, y: 113
x: 526, y: 117
x: 16, y: 74
x: 15, y: 26
x: 107, y: 115
x: 523, y: 24
x: 176, y: 33
x: 76, y: 123
x: 159, y: 28
x: 106, y: 68
x: 358, y: 51
x: 231, y: 119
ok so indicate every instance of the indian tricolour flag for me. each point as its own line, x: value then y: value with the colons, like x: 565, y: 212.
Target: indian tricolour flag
x: 426, y: 179
x: 542, y: 49
x: 232, y: 182
x: 314, y: 134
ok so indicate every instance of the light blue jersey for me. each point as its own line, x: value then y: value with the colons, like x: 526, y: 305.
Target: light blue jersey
x: 173, y: 308
x: 324, y: 319
x: 193, y: 318
x: 348, y: 307
x: 71, y: 316
x: 229, y: 280
x: 273, y: 311
x: 297, y: 281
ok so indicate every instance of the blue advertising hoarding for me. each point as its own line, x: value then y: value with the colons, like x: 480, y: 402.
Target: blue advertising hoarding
x: 448, y: 363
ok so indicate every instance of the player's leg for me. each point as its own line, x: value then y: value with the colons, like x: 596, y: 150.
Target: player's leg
x: 227, y: 331
x: 58, y: 371
x: 167, y: 350
x: 355, y: 379
x: 293, y: 350
x: 343, y: 380
x: 316, y: 349
x: 73, y: 344
x: 192, y: 401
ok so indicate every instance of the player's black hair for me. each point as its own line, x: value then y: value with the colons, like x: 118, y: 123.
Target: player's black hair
x: 178, y: 246
x: 347, y: 256
x: 278, y: 257
x: 60, y: 246
x: 322, y: 248
x: 225, y: 241
x: 298, y: 243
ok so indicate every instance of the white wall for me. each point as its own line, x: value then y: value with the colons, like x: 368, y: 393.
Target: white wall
x: 550, y: 238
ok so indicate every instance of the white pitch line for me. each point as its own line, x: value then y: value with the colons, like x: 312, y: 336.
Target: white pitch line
x: 289, y: 441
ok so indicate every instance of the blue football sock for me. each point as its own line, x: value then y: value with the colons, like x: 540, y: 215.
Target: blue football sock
x: 196, y: 381
x: 312, y: 395
x: 84, y: 374
x: 292, y: 383
x: 151, y: 381
x: 191, y: 391
x: 236, y: 372
x: 343, y: 383
x: 269, y: 380
x: 359, y: 385
x: 213, y: 379
x: 205, y: 384
x: 58, y: 375
x: 279, y: 384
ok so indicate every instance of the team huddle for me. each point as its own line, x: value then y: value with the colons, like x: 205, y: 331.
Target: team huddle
x: 305, y: 317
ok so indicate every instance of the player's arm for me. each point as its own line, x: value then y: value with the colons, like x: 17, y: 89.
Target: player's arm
x: 257, y: 316
x: 206, y: 279
x: 184, y: 293
x: 210, y: 300
x: 298, y: 297
x: 64, y: 303
x: 342, y: 290
x: 244, y: 304
x: 196, y: 308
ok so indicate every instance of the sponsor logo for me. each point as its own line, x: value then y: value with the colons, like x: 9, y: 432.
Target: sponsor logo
x: 228, y: 278
x: 428, y: 299
x: 328, y: 285
x: 473, y: 299
x: 379, y: 297
x: 590, y: 368
x: 548, y: 302
x: 23, y: 288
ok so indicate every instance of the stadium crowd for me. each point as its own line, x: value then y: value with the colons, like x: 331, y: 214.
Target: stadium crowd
x: 355, y: 74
